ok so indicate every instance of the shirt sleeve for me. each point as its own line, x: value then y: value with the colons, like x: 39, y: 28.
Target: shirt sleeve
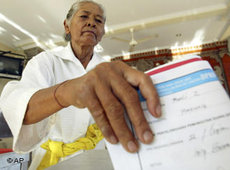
x: 15, y: 98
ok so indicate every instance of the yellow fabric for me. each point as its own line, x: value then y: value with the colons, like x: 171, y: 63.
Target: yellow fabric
x: 57, y: 150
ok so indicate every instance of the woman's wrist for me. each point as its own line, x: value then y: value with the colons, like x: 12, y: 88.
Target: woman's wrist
x: 59, y: 93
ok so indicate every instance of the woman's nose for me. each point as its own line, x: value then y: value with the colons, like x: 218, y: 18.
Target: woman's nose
x: 91, y: 23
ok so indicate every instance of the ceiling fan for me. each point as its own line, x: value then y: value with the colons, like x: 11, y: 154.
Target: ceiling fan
x: 132, y: 43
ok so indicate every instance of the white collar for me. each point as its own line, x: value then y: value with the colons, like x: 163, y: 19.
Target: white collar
x: 66, y: 53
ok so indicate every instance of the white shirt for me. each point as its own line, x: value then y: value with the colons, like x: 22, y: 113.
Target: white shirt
x: 42, y: 71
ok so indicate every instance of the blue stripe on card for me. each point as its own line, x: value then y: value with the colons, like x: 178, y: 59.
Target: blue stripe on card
x: 186, y: 82
x: 183, y: 83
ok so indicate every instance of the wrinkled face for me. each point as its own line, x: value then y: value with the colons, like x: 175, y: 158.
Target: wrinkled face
x: 87, y: 26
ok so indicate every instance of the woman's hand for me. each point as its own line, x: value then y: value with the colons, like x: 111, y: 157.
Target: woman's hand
x: 106, y: 91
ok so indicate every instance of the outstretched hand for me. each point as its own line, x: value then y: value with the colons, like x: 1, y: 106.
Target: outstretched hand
x: 106, y: 91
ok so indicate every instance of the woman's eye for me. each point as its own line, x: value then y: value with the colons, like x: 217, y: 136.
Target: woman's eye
x: 84, y: 16
x: 98, y: 20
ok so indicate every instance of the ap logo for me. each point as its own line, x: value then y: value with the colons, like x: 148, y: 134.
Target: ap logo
x: 10, y: 160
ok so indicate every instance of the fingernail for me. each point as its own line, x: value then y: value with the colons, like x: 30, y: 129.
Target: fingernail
x: 113, y: 139
x: 132, y: 146
x: 148, y: 136
x: 158, y: 110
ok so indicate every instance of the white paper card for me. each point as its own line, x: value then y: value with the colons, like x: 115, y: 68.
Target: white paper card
x: 194, y: 130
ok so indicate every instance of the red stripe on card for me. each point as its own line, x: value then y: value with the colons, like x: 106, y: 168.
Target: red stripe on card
x: 173, y: 66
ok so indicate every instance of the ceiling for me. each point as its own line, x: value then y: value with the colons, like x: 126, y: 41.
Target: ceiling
x: 155, y: 24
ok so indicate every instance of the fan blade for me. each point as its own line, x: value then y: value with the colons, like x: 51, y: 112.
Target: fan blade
x: 147, y: 38
x: 120, y: 39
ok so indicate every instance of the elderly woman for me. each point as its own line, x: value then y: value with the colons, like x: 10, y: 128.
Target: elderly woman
x: 64, y: 91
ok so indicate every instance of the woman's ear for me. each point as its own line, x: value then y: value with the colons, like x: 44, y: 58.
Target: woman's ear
x: 67, y: 30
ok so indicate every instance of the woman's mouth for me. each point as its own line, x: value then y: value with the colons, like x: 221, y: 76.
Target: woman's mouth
x: 89, y: 33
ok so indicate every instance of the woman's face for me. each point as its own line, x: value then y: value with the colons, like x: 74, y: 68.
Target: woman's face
x: 87, y: 26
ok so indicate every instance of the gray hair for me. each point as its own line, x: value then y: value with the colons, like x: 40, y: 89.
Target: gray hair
x: 74, y: 8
